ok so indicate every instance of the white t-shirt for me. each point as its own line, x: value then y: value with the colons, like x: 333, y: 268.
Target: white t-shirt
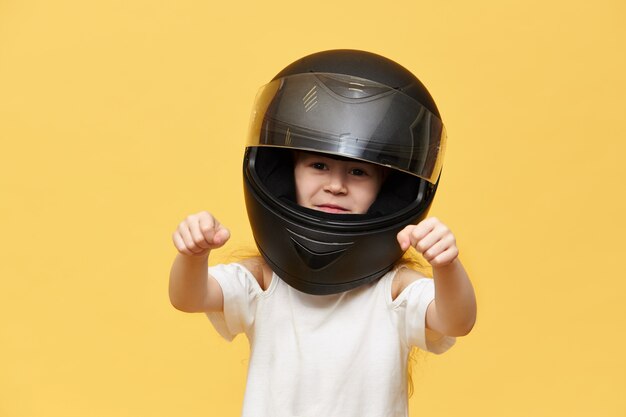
x: 342, y: 355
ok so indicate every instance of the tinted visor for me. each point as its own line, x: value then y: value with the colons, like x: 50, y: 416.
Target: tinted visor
x: 350, y: 117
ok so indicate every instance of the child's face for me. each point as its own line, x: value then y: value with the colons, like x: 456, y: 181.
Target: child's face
x: 336, y: 185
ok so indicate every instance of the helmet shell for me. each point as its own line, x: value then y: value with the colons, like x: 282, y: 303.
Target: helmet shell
x: 321, y: 253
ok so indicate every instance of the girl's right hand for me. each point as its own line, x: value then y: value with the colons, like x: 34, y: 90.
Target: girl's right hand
x: 199, y: 233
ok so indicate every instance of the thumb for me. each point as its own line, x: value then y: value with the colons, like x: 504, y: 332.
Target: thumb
x: 403, y: 238
x: 221, y: 236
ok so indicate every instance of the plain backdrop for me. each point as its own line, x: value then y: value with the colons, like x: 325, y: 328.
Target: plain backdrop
x: 119, y: 118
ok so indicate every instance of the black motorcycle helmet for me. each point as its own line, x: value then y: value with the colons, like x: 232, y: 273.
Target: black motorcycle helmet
x: 345, y: 104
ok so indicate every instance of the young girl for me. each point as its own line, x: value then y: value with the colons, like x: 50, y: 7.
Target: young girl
x: 342, y: 165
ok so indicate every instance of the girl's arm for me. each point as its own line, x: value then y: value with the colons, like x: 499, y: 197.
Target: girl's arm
x: 453, y: 312
x: 191, y: 288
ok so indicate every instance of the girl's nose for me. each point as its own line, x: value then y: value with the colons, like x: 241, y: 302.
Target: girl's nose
x: 336, y: 183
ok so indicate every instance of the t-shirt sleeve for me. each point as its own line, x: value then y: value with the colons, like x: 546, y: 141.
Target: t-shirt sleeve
x: 240, y: 290
x: 418, y: 295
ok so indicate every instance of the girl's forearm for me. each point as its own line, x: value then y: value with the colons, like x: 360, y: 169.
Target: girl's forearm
x: 454, y: 298
x: 189, y: 282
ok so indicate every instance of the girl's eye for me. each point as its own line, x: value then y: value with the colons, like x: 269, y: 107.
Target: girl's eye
x: 358, y: 172
x: 318, y: 165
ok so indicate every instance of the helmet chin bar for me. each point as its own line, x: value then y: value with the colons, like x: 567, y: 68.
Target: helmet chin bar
x: 316, y: 254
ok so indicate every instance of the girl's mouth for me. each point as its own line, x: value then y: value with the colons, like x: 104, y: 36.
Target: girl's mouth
x: 331, y: 208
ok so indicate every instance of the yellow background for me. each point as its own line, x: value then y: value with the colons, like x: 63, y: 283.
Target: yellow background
x: 118, y: 118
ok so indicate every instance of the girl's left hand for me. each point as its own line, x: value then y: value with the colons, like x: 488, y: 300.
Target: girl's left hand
x: 432, y: 239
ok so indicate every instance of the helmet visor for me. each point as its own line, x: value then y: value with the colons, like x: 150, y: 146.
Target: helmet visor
x: 350, y: 117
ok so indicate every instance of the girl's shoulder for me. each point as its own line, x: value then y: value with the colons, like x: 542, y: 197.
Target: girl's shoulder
x: 259, y: 269
x: 404, y: 277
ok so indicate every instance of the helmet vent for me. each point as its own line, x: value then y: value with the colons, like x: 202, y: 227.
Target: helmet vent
x: 310, y: 99
x: 316, y: 254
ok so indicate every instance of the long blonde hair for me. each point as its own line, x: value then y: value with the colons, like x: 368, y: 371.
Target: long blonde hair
x: 413, y: 260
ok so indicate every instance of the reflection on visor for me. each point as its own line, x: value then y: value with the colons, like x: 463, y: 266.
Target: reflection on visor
x: 352, y: 117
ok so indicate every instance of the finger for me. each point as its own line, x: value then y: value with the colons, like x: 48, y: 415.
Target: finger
x: 439, y: 247
x: 185, y: 234
x: 180, y: 244
x: 404, y: 238
x: 438, y: 233
x: 446, y: 257
x: 208, y: 226
x: 197, y: 235
x: 422, y: 229
x: 221, y: 236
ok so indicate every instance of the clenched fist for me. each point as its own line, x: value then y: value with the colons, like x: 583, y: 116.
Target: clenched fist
x: 432, y: 239
x: 199, y: 233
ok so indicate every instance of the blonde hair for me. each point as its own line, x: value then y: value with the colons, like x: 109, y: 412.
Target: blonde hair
x: 241, y: 253
x: 413, y: 260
